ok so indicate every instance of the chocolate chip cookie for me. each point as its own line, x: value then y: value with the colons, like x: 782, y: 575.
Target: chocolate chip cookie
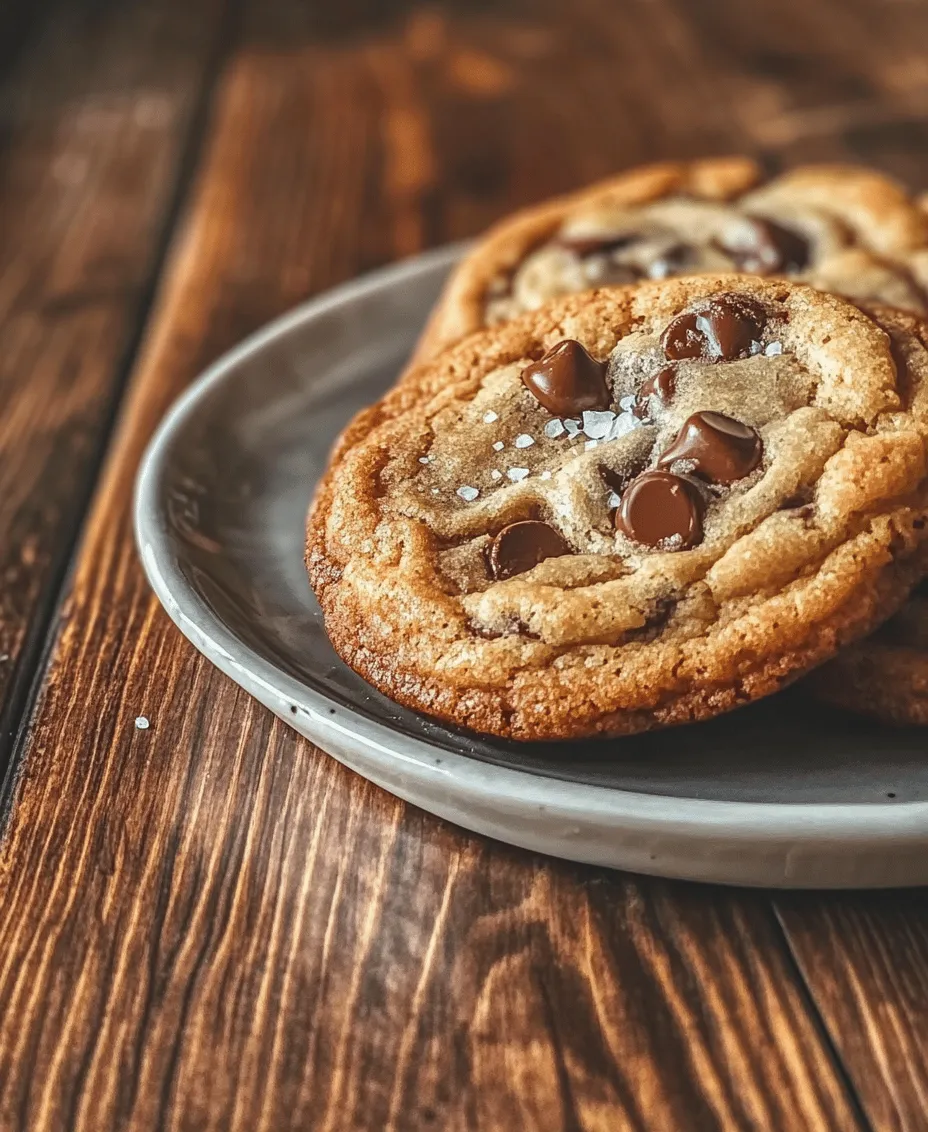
x: 884, y: 677
x: 638, y: 506
x: 843, y: 229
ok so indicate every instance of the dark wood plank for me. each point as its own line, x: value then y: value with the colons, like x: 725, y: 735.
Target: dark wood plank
x: 18, y: 21
x: 823, y: 81
x: 210, y: 924
x: 93, y: 124
x: 250, y: 935
x: 865, y: 958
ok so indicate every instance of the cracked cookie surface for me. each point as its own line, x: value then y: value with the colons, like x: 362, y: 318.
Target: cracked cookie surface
x: 844, y: 229
x: 638, y: 506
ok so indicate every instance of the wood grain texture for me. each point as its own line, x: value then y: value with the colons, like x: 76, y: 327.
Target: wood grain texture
x: 865, y: 957
x: 209, y: 924
x: 93, y: 122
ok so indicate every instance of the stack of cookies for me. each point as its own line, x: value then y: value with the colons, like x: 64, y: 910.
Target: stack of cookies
x: 662, y: 449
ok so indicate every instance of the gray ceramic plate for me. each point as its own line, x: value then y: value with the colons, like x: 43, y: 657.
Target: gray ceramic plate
x: 776, y: 794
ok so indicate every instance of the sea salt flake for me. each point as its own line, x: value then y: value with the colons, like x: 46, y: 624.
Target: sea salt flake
x: 627, y: 403
x: 597, y: 424
x: 489, y: 417
x: 613, y: 500
x: 523, y: 440
x: 773, y: 349
x: 141, y: 723
x: 498, y: 446
x: 623, y: 423
x: 545, y: 475
x: 591, y: 444
x: 572, y: 427
x: 435, y: 491
x: 425, y: 459
x: 517, y: 474
x: 755, y: 348
x: 495, y: 475
x: 469, y: 494
x: 554, y: 428
x: 683, y: 467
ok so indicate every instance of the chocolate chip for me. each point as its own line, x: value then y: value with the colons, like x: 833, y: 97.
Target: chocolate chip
x: 660, y: 385
x: 602, y: 244
x: 720, y: 448
x: 614, y: 273
x: 762, y: 246
x: 658, y: 507
x: 720, y: 330
x: 567, y: 381
x: 520, y: 546
x: 674, y: 260
x: 681, y: 338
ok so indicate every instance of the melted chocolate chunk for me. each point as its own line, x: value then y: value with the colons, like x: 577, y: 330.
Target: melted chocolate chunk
x: 721, y: 449
x: 660, y: 385
x: 567, y: 381
x: 721, y: 330
x: 658, y: 507
x: 520, y: 546
x: 614, y: 273
x: 602, y: 244
x: 762, y: 247
x: 674, y: 260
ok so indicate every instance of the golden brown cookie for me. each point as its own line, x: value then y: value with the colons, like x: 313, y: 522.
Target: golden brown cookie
x: 844, y: 229
x: 632, y: 507
x: 885, y: 676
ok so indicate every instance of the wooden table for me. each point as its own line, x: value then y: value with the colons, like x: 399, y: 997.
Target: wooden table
x: 210, y: 924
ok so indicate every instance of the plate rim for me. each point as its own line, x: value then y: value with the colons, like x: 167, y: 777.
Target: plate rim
x: 772, y: 825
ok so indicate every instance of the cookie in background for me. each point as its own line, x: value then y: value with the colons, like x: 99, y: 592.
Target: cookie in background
x: 842, y: 228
